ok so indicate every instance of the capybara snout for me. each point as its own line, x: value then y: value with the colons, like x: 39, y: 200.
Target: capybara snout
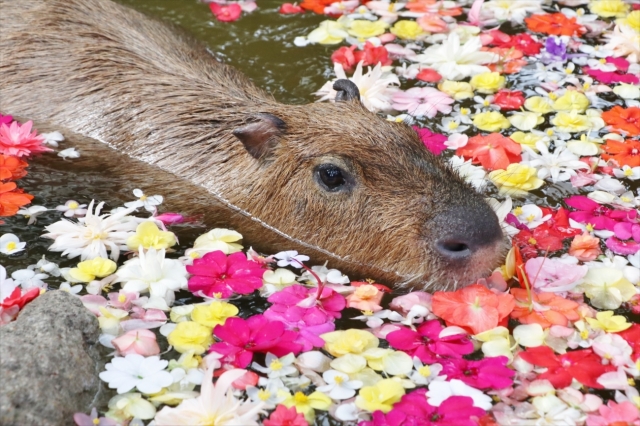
x: 352, y: 187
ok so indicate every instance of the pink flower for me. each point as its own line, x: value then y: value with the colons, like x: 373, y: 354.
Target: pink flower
x: 302, y: 303
x: 433, y: 141
x: 627, y: 230
x: 624, y: 413
x: 405, y: 303
x: 283, y: 416
x: 554, y: 275
x: 226, y: 13
x: 5, y: 119
x: 622, y: 247
x: 19, y: 141
x: 122, y: 300
x: 366, y: 297
x: 422, y: 102
x: 241, y: 338
x: 82, y: 419
x: 488, y: 373
x: 413, y: 409
x: 141, y: 342
x: 289, y: 8
x: 217, y: 273
x: 141, y: 318
x: 426, y: 343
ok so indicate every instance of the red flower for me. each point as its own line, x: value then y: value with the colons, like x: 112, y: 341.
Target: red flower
x: 540, y: 240
x: 523, y: 42
x: 474, y: 308
x: 226, y: 13
x: 493, y: 151
x: 284, y: 416
x: 372, y: 55
x: 217, y: 273
x: 289, y: 8
x: 632, y: 336
x: 626, y: 153
x: 429, y: 75
x: 345, y: 57
x: 623, y: 119
x: 584, y: 366
x: 509, y: 100
x: 19, y: 299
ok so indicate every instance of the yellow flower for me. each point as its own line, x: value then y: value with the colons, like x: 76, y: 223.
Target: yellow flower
x: 491, y: 121
x: 526, y: 120
x: 529, y: 139
x: 190, y: 336
x: 181, y: 313
x: 538, y: 104
x: 393, y: 363
x: 609, y: 8
x: 487, y: 82
x: 215, y: 313
x: 187, y: 361
x: 458, y: 90
x: 349, y: 341
x: 219, y: 239
x: 571, y: 100
x: 632, y: 20
x: 109, y: 319
x: 571, y: 122
x: 328, y: 32
x: 305, y: 404
x: 516, y: 181
x: 607, y: 288
x: 148, y: 235
x: 380, y: 396
x: 605, y: 320
x: 407, y: 30
x: 496, y: 342
x: 89, y: 270
x: 364, y: 29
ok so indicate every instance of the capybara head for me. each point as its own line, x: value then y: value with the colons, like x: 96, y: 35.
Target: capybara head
x: 367, y: 189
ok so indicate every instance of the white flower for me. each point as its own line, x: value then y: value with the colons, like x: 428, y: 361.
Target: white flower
x: 452, y: 125
x: 631, y: 173
x: 69, y: 153
x: 424, y: 374
x: 70, y: 289
x: 559, y: 165
x: 376, y: 87
x: 509, y: 10
x: 609, y: 184
x: 10, y: 244
x: 627, y: 91
x: 52, y: 138
x: 439, y: 391
x: 93, y: 235
x: 607, y: 288
x: 272, y: 394
x: 624, y: 41
x: 613, y: 349
x: 32, y: 213
x: 290, y: 258
x: 376, y: 319
x: 475, y: 175
x: 331, y: 276
x: 7, y: 285
x: 152, y: 272
x: 148, y: 374
x: 276, y: 280
x: 551, y: 410
x: 531, y: 215
x: 339, y: 386
x: 277, y: 367
x: 46, y: 267
x: 148, y: 202
x: 455, y: 62
x: 72, y: 208
x: 215, y: 405
x: 124, y: 407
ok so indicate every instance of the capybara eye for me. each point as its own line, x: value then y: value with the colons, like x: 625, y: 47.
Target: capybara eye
x: 332, y: 178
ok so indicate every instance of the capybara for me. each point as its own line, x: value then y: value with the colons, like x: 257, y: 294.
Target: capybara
x: 332, y: 178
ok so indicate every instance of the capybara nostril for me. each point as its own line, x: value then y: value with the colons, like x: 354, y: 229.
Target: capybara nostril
x: 453, y: 249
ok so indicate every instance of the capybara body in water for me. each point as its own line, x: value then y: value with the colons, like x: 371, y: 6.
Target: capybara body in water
x: 360, y: 191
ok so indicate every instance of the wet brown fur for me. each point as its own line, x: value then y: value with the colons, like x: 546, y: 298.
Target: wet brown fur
x: 110, y: 73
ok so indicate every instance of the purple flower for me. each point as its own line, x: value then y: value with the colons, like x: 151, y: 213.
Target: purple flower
x: 241, y: 338
x: 555, y: 50
x: 433, y: 141
x: 426, y: 343
x: 488, y: 373
x: 414, y: 410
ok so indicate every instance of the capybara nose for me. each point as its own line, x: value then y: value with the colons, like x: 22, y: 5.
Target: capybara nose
x: 465, y: 232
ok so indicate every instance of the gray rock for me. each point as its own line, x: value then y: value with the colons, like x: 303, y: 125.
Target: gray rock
x: 49, y: 362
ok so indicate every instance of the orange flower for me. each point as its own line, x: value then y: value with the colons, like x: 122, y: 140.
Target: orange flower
x: 555, y: 24
x: 420, y: 5
x: 546, y: 309
x: 585, y: 247
x: 367, y: 296
x: 626, y: 153
x: 494, y: 151
x: 11, y: 167
x: 316, y: 6
x: 474, y: 308
x: 11, y: 199
x: 510, y: 61
x: 623, y: 119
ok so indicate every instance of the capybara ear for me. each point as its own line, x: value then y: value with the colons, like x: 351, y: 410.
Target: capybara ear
x: 347, y: 90
x: 259, y: 136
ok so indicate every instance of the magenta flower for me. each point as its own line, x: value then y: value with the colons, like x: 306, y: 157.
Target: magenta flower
x: 627, y: 231
x: 414, y: 410
x: 20, y: 141
x: 308, y: 335
x: 426, y: 343
x: 5, y: 119
x: 422, y: 101
x: 622, y: 247
x: 241, y: 338
x: 216, y: 272
x: 488, y: 373
x: 590, y: 212
x: 298, y: 303
x: 433, y: 141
